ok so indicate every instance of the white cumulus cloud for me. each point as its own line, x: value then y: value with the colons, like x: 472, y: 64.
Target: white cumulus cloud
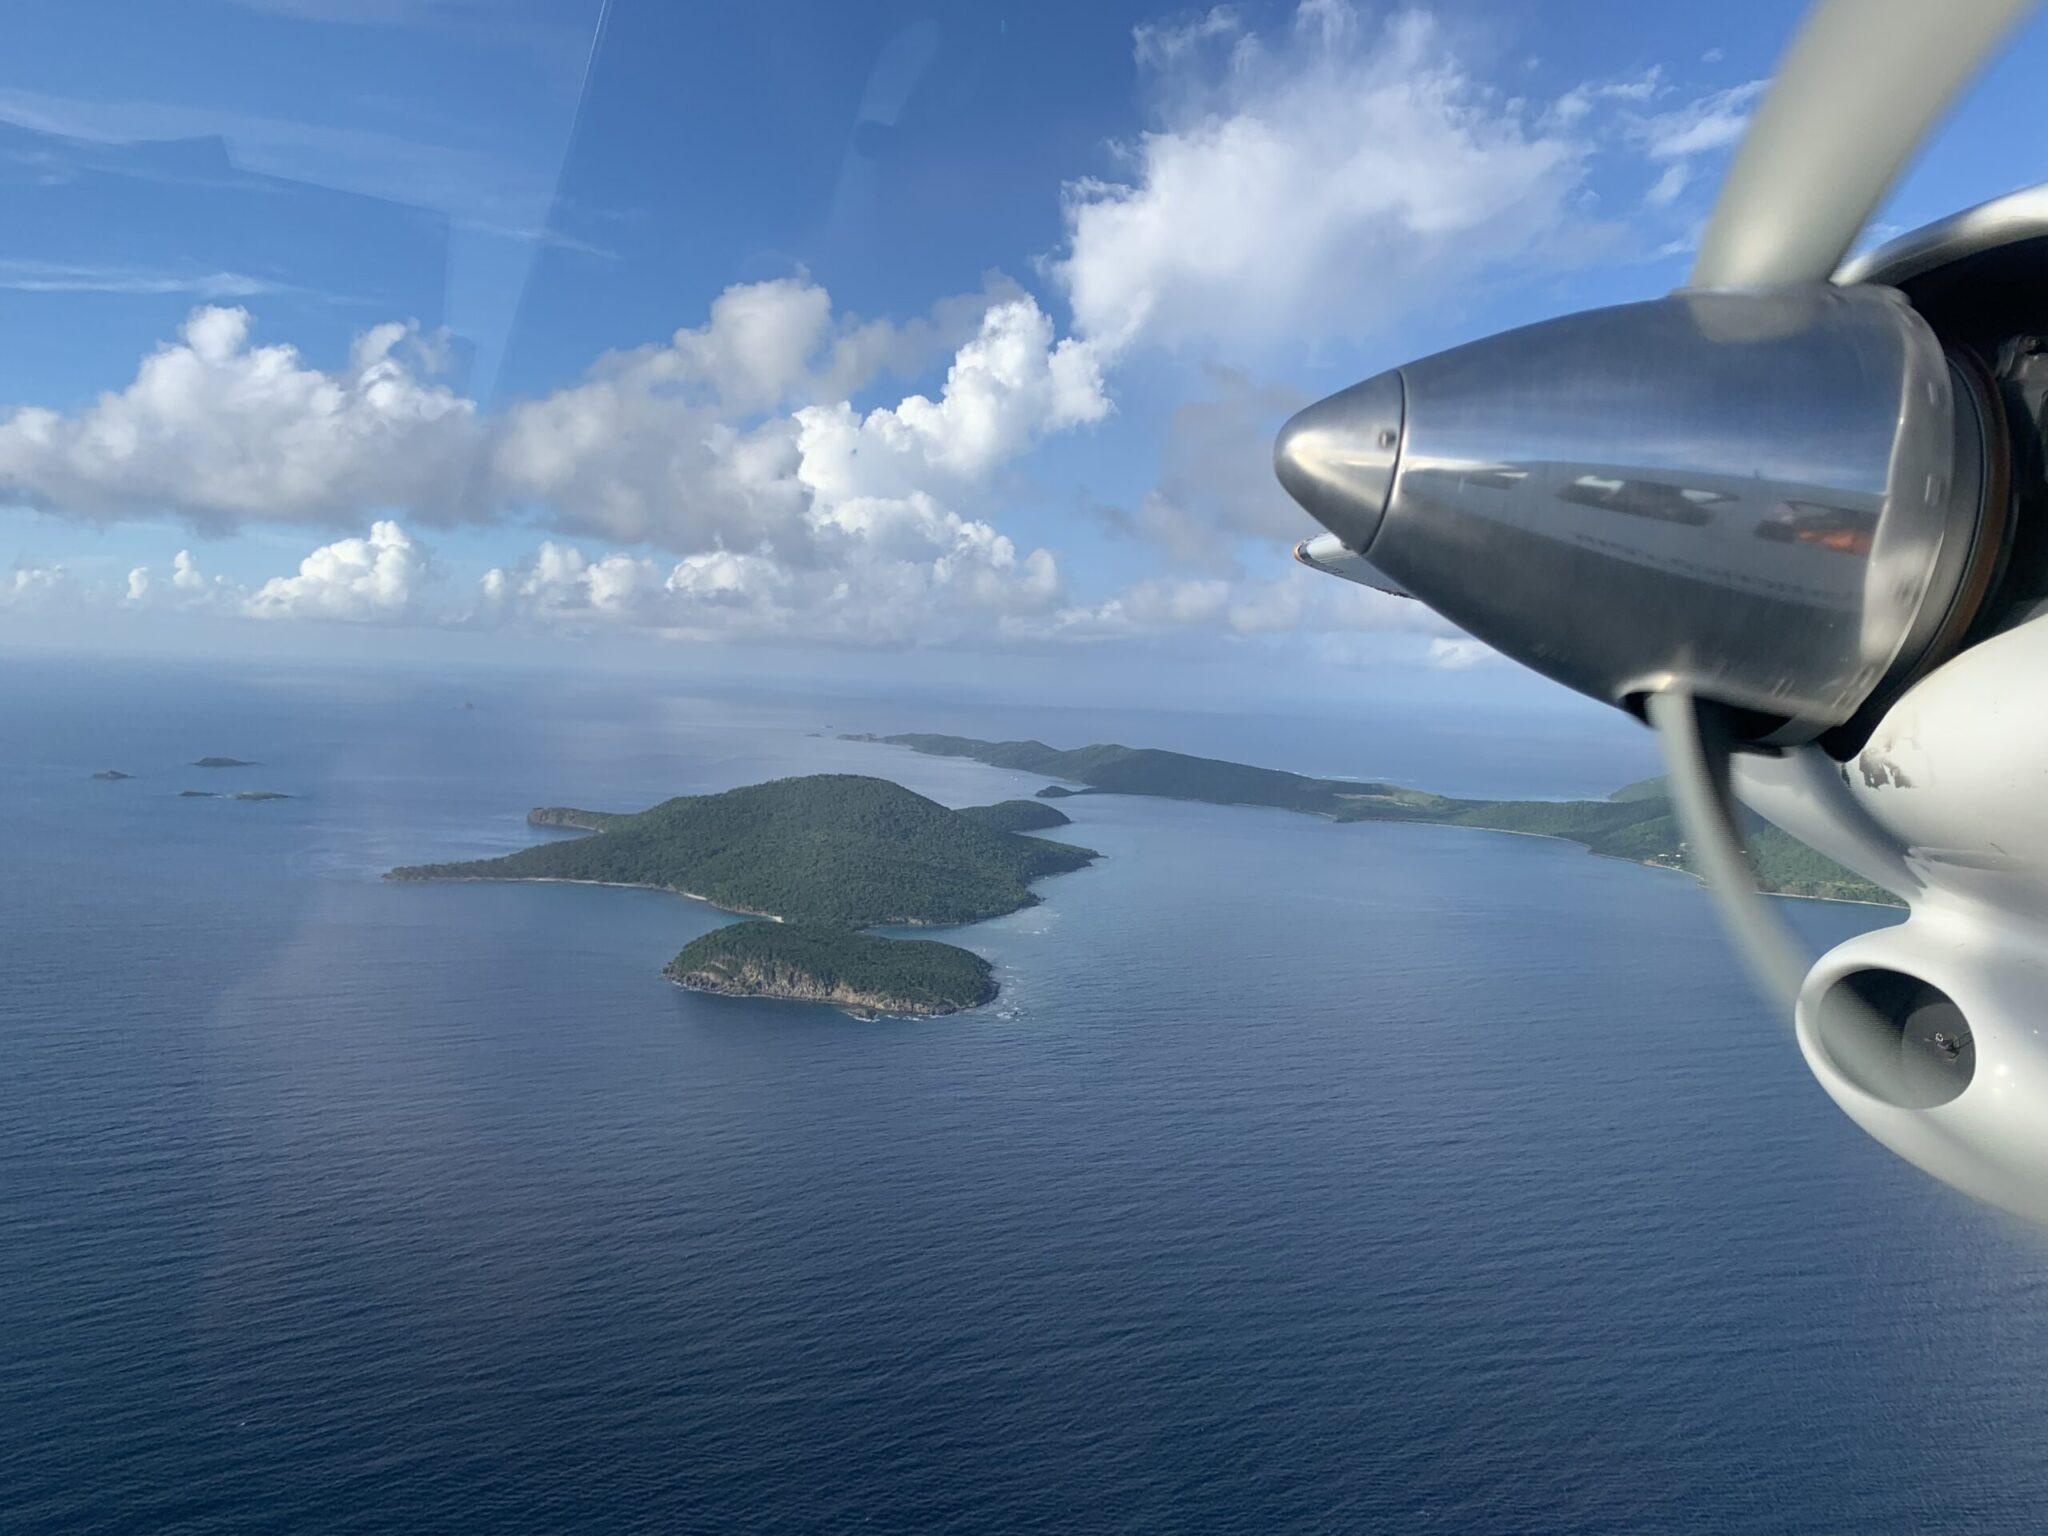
x: 221, y: 431
x: 670, y: 446
x: 32, y: 586
x: 889, y: 572
x: 1007, y: 386
x: 377, y: 578
x: 1307, y: 184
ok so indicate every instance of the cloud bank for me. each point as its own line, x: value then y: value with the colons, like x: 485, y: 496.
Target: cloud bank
x: 766, y: 475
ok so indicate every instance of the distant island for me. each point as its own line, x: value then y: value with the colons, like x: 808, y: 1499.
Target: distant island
x: 223, y: 762
x: 1634, y: 823
x: 821, y: 963
x: 198, y: 794
x: 826, y: 855
x: 1057, y: 792
x: 112, y: 775
x: 1018, y: 816
x: 260, y: 794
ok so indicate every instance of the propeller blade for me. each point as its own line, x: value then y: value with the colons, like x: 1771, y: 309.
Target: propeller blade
x: 1861, y: 85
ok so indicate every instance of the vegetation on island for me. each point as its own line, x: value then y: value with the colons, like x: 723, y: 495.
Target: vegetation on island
x: 823, y: 963
x: 260, y: 794
x: 1635, y: 823
x: 197, y: 794
x: 1018, y: 816
x: 824, y: 856
x: 829, y: 848
x: 1057, y: 792
x: 223, y: 762
x: 568, y: 816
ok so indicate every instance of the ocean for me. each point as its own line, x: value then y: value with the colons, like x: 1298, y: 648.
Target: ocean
x: 1304, y: 1177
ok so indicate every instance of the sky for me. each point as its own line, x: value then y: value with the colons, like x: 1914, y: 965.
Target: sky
x: 809, y: 340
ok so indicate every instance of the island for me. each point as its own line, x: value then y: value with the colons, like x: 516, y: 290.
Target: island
x: 197, y: 794
x: 821, y: 857
x: 832, y: 848
x: 1635, y: 823
x: 820, y: 963
x: 1058, y: 792
x: 112, y: 775
x: 223, y: 762
x: 260, y: 794
x: 1019, y: 816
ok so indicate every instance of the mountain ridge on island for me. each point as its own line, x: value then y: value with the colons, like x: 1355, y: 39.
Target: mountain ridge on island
x: 1635, y: 823
x: 832, y: 848
x: 821, y: 857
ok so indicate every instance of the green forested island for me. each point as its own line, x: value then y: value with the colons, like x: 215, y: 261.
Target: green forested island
x: 223, y: 762
x: 1018, y: 816
x: 829, y: 848
x: 822, y: 963
x: 826, y: 855
x: 1636, y: 822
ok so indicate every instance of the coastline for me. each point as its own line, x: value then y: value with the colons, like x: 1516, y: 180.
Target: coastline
x: 1558, y: 837
x: 858, y: 1010
x: 676, y: 890
x: 617, y: 885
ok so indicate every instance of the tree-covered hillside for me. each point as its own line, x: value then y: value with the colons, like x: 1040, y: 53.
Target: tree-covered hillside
x: 1018, y: 816
x: 830, y: 848
x: 1636, y: 822
x: 807, y: 962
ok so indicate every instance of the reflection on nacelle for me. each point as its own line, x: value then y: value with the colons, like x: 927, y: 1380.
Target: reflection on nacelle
x: 1833, y: 528
x: 1644, y: 498
x: 1656, y: 522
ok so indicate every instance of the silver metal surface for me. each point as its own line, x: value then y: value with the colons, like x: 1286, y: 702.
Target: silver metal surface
x: 1333, y: 557
x: 1746, y: 495
x: 1337, y: 457
x: 2002, y: 221
x: 1861, y: 85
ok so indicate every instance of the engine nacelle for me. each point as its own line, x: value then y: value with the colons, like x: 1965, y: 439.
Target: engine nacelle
x: 1816, y: 517
x: 1933, y: 1034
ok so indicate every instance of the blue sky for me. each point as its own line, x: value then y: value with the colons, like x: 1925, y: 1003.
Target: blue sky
x: 809, y: 339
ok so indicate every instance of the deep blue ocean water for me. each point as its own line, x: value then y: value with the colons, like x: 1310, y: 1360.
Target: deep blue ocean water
x: 1304, y: 1178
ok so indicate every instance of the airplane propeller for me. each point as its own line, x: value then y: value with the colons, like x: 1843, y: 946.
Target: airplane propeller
x: 1861, y: 85
x: 1760, y: 513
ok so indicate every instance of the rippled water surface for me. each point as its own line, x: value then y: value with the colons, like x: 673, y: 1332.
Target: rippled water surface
x: 1305, y: 1178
